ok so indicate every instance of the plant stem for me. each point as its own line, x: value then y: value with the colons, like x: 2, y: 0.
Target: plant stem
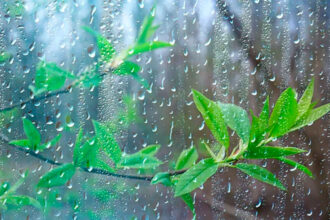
x: 4, y: 139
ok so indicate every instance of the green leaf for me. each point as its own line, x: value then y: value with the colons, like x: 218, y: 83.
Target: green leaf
x: 187, y: 198
x: 284, y: 113
x: 18, y: 183
x: 186, y: 159
x: 89, y: 154
x: 163, y: 178
x: 296, y: 165
x: 127, y: 68
x: 208, y: 149
x: 22, y: 143
x: 57, y: 176
x: 271, y: 152
x: 4, y: 56
x: 139, y: 161
x: 31, y: 133
x: 77, y: 154
x: 21, y: 200
x: 107, y: 142
x: 146, y: 47
x: 150, y: 150
x: 311, y: 116
x: 106, y: 49
x: 4, y: 187
x: 147, y: 30
x: 260, y: 174
x: 213, y: 117
x: 195, y: 176
x: 306, y: 100
x: 49, y: 77
x: 91, y: 77
x: 255, y: 134
x: 237, y: 119
x: 50, y: 143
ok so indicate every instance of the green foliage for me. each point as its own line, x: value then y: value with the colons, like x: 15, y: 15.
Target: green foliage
x: 4, y: 56
x: 237, y: 119
x: 139, y: 161
x: 195, y: 176
x: 296, y: 165
x: 163, y: 178
x: 88, y: 153
x: 259, y: 173
x: 150, y: 150
x: 8, y: 195
x: 117, y: 62
x: 106, y: 49
x: 213, y: 117
x: 287, y: 115
x: 264, y: 152
x: 146, y: 47
x: 57, y: 176
x: 34, y: 138
x: 15, y: 7
x: 127, y: 68
x: 143, y: 43
x: 32, y: 133
x: 186, y: 159
x: 49, y: 77
x: 107, y: 142
x: 284, y: 114
x: 310, y: 116
x: 306, y: 100
x: 187, y: 198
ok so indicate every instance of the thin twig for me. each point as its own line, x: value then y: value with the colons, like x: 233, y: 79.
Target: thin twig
x: 36, y: 99
x: 5, y: 140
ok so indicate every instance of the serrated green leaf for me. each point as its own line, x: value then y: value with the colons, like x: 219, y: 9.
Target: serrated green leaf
x: 186, y: 159
x: 271, y: 152
x: 260, y: 174
x: 163, y: 178
x: 57, y: 176
x: 150, y: 150
x: 237, y: 119
x: 296, y: 165
x: 195, y: 176
x: 213, y: 117
x: 311, y: 116
x: 139, y: 161
x: 146, y: 47
x: 22, y: 143
x: 306, y: 100
x: 31, y: 133
x: 21, y: 200
x: 127, y: 68
x: 187, y: 198
x: 107, y: 142
x: 106, y: 49
x: 284, y: 114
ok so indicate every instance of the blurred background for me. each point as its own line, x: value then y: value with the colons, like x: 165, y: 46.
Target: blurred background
x: 237, y: 51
